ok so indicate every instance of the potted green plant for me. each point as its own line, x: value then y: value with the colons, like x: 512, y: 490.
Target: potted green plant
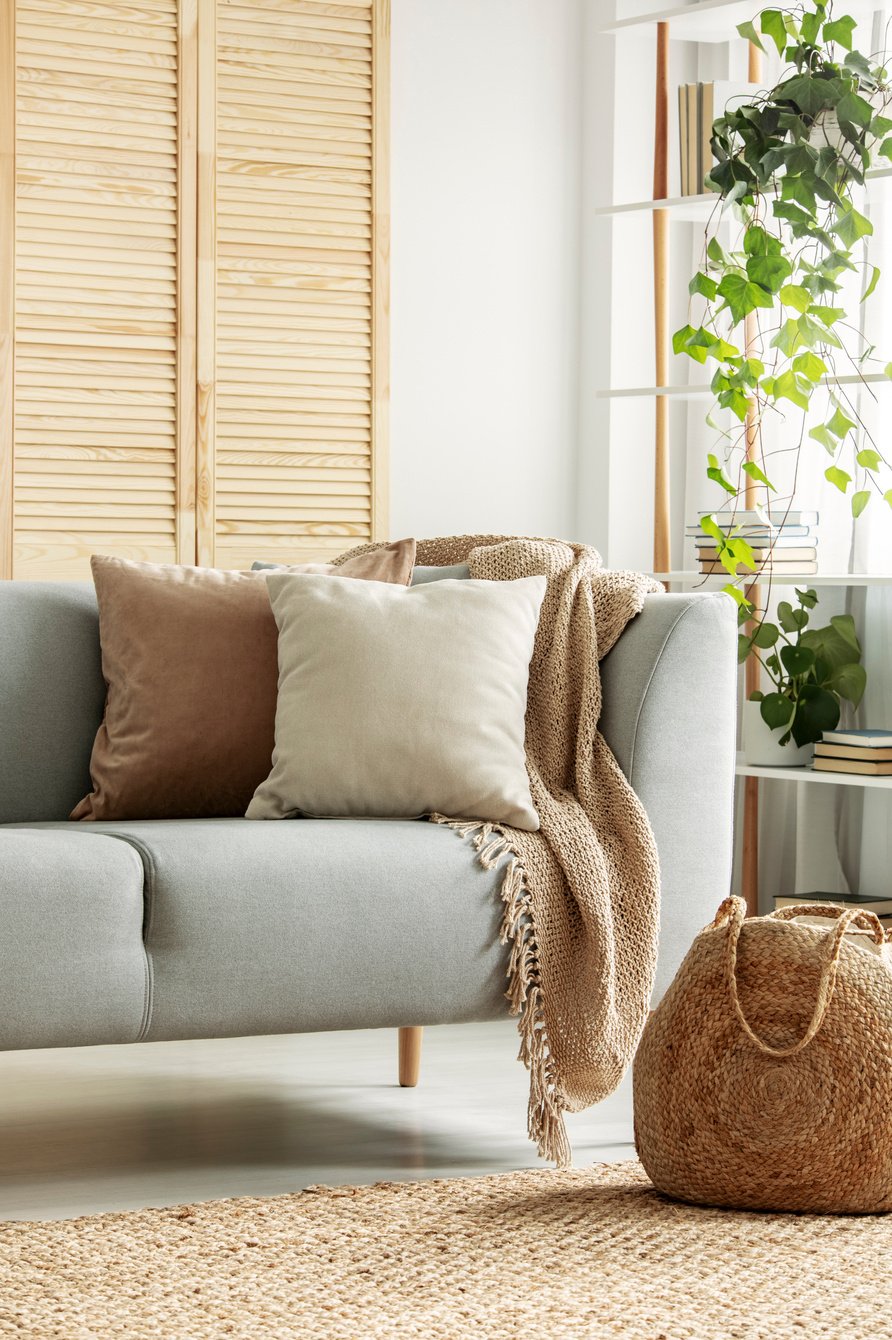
x: 811, y: 671
x: 770, y: 314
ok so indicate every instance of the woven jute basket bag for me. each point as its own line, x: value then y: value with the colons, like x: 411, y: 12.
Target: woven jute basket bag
x: 764, y: 1077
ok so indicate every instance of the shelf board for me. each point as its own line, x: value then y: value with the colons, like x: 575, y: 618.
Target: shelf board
x: 693, y: 208
x: 717, y: 580
x: 683, y: 208
x: 708, y: 20
x: 696, y: 390
x: 806, y: 774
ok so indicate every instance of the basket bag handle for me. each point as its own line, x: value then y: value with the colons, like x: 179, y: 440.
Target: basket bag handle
x: 733, y: 911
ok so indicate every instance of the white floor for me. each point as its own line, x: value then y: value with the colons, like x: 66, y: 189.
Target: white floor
x: 111, y: 1128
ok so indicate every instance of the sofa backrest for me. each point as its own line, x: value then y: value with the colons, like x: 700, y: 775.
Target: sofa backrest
x: 51, y: 697
x: 52, y: 694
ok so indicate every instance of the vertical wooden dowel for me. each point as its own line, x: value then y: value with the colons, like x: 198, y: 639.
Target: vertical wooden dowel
x: 7, y: 281
x: 662, y: 548
x: 749, y: 873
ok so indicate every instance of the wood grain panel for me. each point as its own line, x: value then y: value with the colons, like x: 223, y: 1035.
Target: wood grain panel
x: 100, y: 448
x: 295, y: 279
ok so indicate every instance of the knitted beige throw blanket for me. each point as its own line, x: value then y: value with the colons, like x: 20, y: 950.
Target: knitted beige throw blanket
x: 581, y: 895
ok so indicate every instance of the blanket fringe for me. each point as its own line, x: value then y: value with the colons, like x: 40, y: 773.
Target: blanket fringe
x: 545, y: 1118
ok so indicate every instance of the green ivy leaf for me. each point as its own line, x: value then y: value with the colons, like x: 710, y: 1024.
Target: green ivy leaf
x: 680, y: 339
x: 859, y: 502
x: 808, y: 93
x: 702, y: 284
x: 771, y: 21
x: 813, y: 334
x: 828, y: 315
x: 840, y: 30
x: 810, y: 366
x: 808, y: 598
x: 715, y: 252
x: 788, y: 339
x: 743, y: 605
x: 742, y: 296
x: 710, y: 527
x: 799, y: 191
x: 715, y: 473
x: 854, y: 110
x: 840, y: 424
x: 822, y: 435
x: 885, y: 149
x: 869, y: 459
x: 769, y: 271
x: 850, y: 226
x: 860, y: 66
x: 787, y: 388
x: 748, y: 31
x: 811, y: 26
x: 838, y: 477
x: 874, y: 280
x: 795, y: 296
x: 750, y: 468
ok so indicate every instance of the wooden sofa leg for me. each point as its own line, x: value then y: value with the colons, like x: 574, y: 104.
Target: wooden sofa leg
x: 410, y: 1056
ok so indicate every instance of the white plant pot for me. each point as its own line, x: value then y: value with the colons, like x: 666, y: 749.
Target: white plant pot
x: 762, y: 747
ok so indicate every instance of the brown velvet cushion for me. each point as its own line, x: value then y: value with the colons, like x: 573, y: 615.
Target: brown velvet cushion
x: 189, y: 656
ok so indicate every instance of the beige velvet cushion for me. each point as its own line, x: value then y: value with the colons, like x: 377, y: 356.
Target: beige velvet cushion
x: 402, y: 701
x: 190, y: 659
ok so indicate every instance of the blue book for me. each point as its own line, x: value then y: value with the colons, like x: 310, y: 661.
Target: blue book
x: 866, y: 739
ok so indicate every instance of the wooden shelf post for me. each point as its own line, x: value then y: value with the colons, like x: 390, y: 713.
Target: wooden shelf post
x: 749, y: 865
x: 662, y: 561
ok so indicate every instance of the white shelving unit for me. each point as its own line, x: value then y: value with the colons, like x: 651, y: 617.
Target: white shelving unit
x: 705, y: 21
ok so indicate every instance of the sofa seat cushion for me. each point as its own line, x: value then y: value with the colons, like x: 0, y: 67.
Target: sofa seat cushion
x: 312, y: 924
x: 73, y: 969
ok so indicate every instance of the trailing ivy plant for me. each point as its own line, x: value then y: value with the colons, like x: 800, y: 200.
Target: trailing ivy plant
x: 789, y: 165
x: 811, y: 670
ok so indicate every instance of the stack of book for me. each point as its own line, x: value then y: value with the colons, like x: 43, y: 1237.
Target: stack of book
x: 868, y: 752
x: 862, y: 902
x: 698, y: 107
x: 785, y: 543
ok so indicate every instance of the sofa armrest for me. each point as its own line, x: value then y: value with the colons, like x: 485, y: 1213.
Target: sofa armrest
x: 669, y: 715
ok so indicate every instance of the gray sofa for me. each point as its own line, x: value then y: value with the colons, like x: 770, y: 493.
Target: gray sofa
x: 132, y: 931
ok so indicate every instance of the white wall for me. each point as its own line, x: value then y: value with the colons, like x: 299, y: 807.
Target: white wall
x: 485, y: 275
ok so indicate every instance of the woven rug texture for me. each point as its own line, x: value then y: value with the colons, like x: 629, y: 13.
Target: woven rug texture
x: 541, y: 1255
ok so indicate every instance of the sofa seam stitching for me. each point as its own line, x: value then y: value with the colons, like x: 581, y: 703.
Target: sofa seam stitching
x: 149, y: 873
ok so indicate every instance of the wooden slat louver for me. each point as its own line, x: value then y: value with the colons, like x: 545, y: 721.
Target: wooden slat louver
x: 194, y: 245
x: 97, y: 465
x: 294, y: 436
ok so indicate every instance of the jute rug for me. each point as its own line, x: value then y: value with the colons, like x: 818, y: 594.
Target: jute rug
x: 595, y: 1252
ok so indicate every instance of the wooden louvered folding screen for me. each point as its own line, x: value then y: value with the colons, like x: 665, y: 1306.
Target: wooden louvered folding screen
x: 193, y: 300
